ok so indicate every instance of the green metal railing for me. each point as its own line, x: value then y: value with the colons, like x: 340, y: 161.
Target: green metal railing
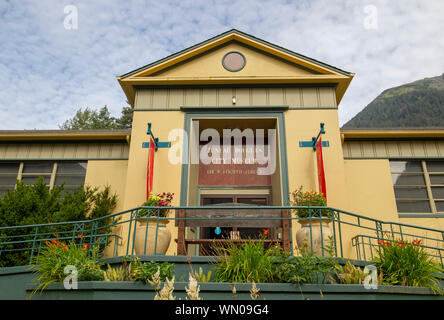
x: 353, y: 236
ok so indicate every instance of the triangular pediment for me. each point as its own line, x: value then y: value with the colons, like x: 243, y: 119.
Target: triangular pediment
x: 263, y: 63
x: 257, y: 64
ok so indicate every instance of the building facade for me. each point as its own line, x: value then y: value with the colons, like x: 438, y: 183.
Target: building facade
x: 237, y: 84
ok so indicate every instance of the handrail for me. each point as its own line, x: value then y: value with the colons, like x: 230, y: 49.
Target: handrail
x: 100, y: 234
x: 225, y: 207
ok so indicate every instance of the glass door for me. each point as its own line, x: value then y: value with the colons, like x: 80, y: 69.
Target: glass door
x: 226, y: 233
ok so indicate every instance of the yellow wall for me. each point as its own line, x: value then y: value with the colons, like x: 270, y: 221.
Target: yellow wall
x: 294, y: 97
x: 370, y: 189
x: 302, y: 125
x: 371, y: 194
x: 60, y: 151
x: 100, y: 173
x: 257, y: 64
x: 167, y: 176
x: 108, y: 172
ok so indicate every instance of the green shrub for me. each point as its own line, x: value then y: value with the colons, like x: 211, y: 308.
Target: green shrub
x: 36, y: 204
x: 144, y: 271
x: 135, y: 270
x: 56, y: 255
x: 247, y: 262
x: 306, y: 268
x: 350, y: 274
x: 407, y: 264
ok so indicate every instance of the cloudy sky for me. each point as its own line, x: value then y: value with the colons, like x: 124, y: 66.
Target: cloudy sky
x: 47, y: 71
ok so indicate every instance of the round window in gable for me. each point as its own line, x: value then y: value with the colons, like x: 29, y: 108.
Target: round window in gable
x: 234, y: 61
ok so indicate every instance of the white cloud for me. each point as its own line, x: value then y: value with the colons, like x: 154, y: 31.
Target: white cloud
x: 48, y: 72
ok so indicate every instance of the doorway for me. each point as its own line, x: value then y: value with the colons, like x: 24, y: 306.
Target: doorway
x: 233, y: 232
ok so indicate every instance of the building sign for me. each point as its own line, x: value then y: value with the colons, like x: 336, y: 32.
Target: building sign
x: 237, y: 171
x: 321, y: 172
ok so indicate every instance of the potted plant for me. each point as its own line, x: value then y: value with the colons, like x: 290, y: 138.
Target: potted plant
x: 315, y: 233
x: 152, y: 235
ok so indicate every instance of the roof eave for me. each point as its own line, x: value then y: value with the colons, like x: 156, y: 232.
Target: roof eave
x: 356, y: 134
x: 61, y: 135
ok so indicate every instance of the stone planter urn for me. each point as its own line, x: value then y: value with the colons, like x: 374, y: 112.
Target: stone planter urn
x: 303, y: 236
x: 161, y: 242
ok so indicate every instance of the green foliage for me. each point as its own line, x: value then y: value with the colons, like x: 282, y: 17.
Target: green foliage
x: 309, y: 199
x: 349, y: 274
x: 57, y: 255
x: 90, y: 119
x: 126, y: 119
x: 252, y: 262
x: 417, y: 104
x: 144, y: 271
x: 247, y: 262
x: 36, y: 204
x: 306, y: 268
x: 135, y: 270
x: 123, y: 273
x: 407, y: 264
x: 201, y: 276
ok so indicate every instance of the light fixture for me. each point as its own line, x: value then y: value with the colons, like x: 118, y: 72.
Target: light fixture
x: 233, y: 100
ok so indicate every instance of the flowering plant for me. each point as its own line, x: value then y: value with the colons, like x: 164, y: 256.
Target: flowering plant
x: 57, y: 255
x: 407, y: 264
x: 161, y: 200
x: 309, y: 199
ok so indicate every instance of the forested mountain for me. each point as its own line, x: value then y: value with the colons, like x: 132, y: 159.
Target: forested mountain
x: 415, y: 104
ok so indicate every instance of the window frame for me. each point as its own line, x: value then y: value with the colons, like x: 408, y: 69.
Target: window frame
x: 428, y: 186
x: 52, y: 175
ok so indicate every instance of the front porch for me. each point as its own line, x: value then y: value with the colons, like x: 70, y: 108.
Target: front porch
x: 351, y: 236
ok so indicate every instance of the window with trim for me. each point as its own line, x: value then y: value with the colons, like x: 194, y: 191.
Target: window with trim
x: 418, y: 186
x: 72, y: 173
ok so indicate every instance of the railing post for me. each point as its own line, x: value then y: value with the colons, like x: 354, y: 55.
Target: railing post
x: 157, y: 231
x: 379, y: 230
x: 322, y: 235
x: 340, y: 234
x: 285, y: 230
x: 132, y: 217
x: 311, y: 230
x: 334, y: 232
x: 181, y: 246
x: 33, y: 244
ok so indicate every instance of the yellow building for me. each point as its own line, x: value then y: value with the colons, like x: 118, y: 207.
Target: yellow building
x: 235, y: 82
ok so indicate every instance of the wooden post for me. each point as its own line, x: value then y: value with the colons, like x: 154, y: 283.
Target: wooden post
x: 181, y: 246
x: 286, y: 230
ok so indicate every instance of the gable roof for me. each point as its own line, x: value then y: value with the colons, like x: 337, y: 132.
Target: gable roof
x: 151, y: 74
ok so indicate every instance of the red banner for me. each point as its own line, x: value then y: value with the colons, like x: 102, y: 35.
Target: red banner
x: 321, y: 172
x: 150, y: 169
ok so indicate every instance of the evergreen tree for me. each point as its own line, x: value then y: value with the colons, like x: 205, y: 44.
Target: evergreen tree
x: 90, y: 119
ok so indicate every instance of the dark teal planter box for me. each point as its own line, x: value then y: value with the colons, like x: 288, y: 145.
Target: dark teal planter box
x: 17, y: 283
x: 13, y: 281
x: 222, y: 291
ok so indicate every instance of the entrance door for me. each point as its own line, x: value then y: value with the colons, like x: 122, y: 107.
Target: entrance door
x: 227, y: 233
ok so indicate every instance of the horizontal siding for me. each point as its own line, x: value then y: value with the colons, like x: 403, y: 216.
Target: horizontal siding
x: 23, y: 151
x: 393, y: 149
x: 306, y: 97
